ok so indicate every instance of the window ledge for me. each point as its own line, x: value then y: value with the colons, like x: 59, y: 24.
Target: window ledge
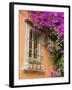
x: 33, y: 70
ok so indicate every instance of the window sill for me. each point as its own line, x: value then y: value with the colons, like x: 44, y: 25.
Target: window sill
x: 33, y: 70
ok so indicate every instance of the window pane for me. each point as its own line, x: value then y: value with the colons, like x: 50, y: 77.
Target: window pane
x: 35, y: 45
x: 30, y: 43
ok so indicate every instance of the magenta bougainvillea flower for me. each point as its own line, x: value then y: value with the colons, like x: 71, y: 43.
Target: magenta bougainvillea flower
x: 55, y: 74
x: 45, y: 20
x: 54, y: 17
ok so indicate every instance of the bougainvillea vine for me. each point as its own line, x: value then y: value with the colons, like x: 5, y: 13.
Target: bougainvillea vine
x: 52, y: 25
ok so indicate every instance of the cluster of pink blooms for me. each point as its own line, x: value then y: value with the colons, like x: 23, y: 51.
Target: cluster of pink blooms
x: 45, y: 20
x: 55, y: 74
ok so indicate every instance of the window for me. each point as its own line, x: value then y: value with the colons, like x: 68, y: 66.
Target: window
x: 34, y: 56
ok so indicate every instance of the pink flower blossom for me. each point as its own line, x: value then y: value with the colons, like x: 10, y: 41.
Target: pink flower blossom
x: 55, y: 74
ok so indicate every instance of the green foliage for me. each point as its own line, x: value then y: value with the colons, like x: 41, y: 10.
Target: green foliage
x: 42, y: 29
x: 31, y: 61
x: 56, y: 48
x: 60, y: 65
x: 33, y: 30
x: 34, y: 62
